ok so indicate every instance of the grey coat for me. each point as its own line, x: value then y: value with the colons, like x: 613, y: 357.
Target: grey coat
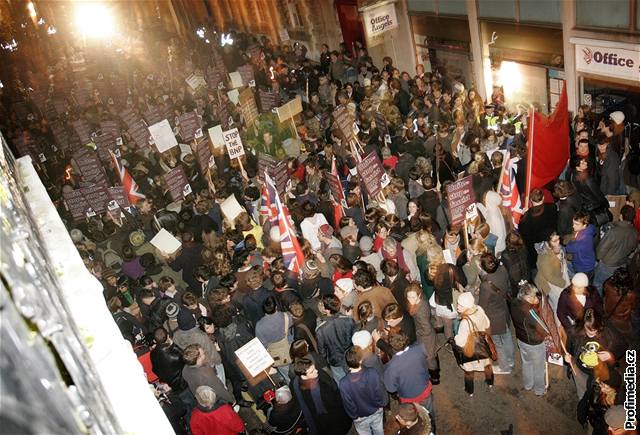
x: 617, y: 244
x: 424, y: 329
x: 493, y: 301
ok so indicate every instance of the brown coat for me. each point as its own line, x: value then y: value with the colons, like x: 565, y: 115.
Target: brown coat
x: 549, y: 271
x: 379, y: 297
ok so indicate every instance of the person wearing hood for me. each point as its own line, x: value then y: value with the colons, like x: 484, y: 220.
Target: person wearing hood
x: 490, y: 209
x: 210, y: 417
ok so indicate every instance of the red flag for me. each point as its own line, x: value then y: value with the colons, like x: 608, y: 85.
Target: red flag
x: 128, y: 183
x: 548, y: 144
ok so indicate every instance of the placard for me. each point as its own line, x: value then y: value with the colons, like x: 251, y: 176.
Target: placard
x: 83, y: 130
x: 234, y: 96
x: 110, y: 127
x: 248, y: 106
x: 289, y: 109
x: 190, y: 123
x: 165, y: 242
x: 119, y: 196
x: 178, y: 183
x: 254, y: 357
x: 76, y: 203
x: 217, y: 138
x: 90, y: 166
x: 154, y: 115
x: 233, y: 142
x: 203, y: 154
x: 97, y: 196
x: 231, y: 208
x: 140, y: 134
x: 162, y: 135
x: 336, y: 188
x: 284, y: 34
x: 372, y: 173
x: 266, y: 163
x: 246, y: 73
x: 105, y: 142
x: 196, y: 81
x: 460, y: 196
x: 236, y: 79
x: 268, y: 100
x: 345, y: 121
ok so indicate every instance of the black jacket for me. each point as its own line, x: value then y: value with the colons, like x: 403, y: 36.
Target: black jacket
x: 535, y: 227
x: 567, y: 208
x: 333, y: 334
x: 528, y: 330
x: 590, y: 194
x: 167, y: 363
x: 515, y: 261
x: 157, y: 313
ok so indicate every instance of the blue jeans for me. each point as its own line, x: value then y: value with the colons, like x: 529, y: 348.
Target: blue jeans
x: 505, y: 350
x: 370, y: 425
x: 534, y: 358
x: 602, y: 273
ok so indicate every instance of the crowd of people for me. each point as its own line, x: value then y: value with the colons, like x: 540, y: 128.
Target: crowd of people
x: 387, y: 281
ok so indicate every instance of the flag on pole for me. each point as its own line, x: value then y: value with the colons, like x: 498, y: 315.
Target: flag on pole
x: 291, y: 251
x: 268, y: 210
x: 338, y: 210
x: 129, y: 185
x: 548, y: 144
x: 509, y: 189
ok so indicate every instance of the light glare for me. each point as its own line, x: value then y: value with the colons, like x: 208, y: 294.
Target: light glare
x: 95, y: 20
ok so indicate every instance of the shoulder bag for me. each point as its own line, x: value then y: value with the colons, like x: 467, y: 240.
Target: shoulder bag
x: 479, y: 346
x: 279, y: 350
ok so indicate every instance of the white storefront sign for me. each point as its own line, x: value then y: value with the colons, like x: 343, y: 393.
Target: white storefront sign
x: 609, y: 61
x: 380, y: 19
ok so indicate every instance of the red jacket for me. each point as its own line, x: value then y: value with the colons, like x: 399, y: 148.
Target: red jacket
x: 220, y: 421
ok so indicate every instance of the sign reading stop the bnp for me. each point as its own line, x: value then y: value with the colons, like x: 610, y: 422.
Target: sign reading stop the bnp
x: 460, y: 196
x: 233, y: 142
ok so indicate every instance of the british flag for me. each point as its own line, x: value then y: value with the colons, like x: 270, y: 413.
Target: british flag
x: 291, y: 251
x: 509, y: 189
x: 338, y: 210
x: 268, y: 210
x: 128, y: 183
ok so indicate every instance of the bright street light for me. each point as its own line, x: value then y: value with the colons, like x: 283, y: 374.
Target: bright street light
x: 94, y: 20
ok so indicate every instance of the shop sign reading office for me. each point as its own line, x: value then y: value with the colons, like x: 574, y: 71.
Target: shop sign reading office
x: 380, y: 19
x: 613, y: 62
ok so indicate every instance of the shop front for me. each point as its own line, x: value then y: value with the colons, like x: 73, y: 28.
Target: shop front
x: 523, y: 64
x: 608, y: 75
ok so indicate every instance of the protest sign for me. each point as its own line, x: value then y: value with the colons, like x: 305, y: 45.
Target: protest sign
x: 76, y: 204
x: 268, y: 100
x: 130, y: 117
x: 345, y: 121
x: 60, y: 134
x: 105, y: 142
x: 233, y: 142
x: 117, y: 194
x: 162, y: 135
x: 89, y: 166
x: 234, y: 96
x: 154, y: 115
x: 83, y: 130
x: 460, y: 196
x: 165, y: 242
x: 110, y: 127
x: 236, y: 79
x: 266, y: 163
x: 372, y: 174
x: 140, y: 134
x: 178, y: 183
x: 254, y: 357
x: 97, y: 196
x: 248, y: 106
x: 289, y: 109
x: 196, y: 81
x: 203, y: 154
x: 190, y: 126
x: 336, y: 188
x: 231, y: 208
x: 214, y: 77
x: 246, y: 73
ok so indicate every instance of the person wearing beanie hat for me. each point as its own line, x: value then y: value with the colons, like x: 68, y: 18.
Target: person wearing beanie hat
x: 576, y: 299
x: 373, y: 258
x: 473, y: 318
x: 188, y: 333
x: 370, y: 358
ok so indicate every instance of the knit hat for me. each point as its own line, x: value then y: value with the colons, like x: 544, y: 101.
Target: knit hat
x: 465, y: 300
x: 345, y: 284
x: 362, y: 339
x: 617, y: 117
x: 76, y: 235
x: 580, y: 280
x: 108, y: 273
x: 186, y: 321
x: 172, y: 310
x: 349, y: 231
x: 366, y: 244
x: 615, y: 417
x: 326, y: 230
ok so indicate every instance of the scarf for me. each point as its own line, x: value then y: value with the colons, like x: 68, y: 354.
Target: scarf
x: 317, y: 403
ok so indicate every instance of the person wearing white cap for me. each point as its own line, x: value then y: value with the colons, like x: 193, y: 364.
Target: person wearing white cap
x: 576, y: 299
x: 364, y: 341
x: 473, y: 319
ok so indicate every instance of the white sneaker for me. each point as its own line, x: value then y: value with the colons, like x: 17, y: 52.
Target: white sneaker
x: 498, y: 371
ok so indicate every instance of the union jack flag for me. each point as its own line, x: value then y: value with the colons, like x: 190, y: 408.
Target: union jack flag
x: 128, y: 183
x: 268, y: 210
x: 338, y: 211
x: 291, y: 251
x: 509, y: 189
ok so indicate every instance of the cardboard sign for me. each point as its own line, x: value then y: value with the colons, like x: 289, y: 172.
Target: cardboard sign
x: 231, y: 208
x: 110, y: 127
x: 246, y: 73
x: 118, y: 195
x: 372, y: 173
x: 162, y: 135
x: 217, y: 138
x: 336, y: 188
x: 233, y: 142
x: 203, y: 154
x: 289, y: 109
x: 83, y: 130
x: 76, y: 203
x: 190, y: 123
x: 105, y: 142
x: 345, y: 121
x: 234, y: 96
x: 266, y: 163
x: 89, y: 166
x: 254, y: 357
x: 177, y: 183
x: 236, y: 79
x: 154, y: 115
x: 268, y: 100
x: 460, y: 196
x: 196, y: 81
x: 165, y: 242
x: 248, y: 106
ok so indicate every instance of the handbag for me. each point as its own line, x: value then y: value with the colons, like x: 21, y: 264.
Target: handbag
x: 279, y: 350
x: 479, y: 346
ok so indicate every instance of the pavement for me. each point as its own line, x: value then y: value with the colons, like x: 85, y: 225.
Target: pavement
x: 505, y: 410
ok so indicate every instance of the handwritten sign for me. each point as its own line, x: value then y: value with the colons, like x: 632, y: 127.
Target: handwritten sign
x: 195, y: 82
x: 233, y: 142
x: 460, y: 196
x: 372, y: 173
x: 289, y: 109
x: 178, y: 183
x: 254, y: 357
x: 162, y: 135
